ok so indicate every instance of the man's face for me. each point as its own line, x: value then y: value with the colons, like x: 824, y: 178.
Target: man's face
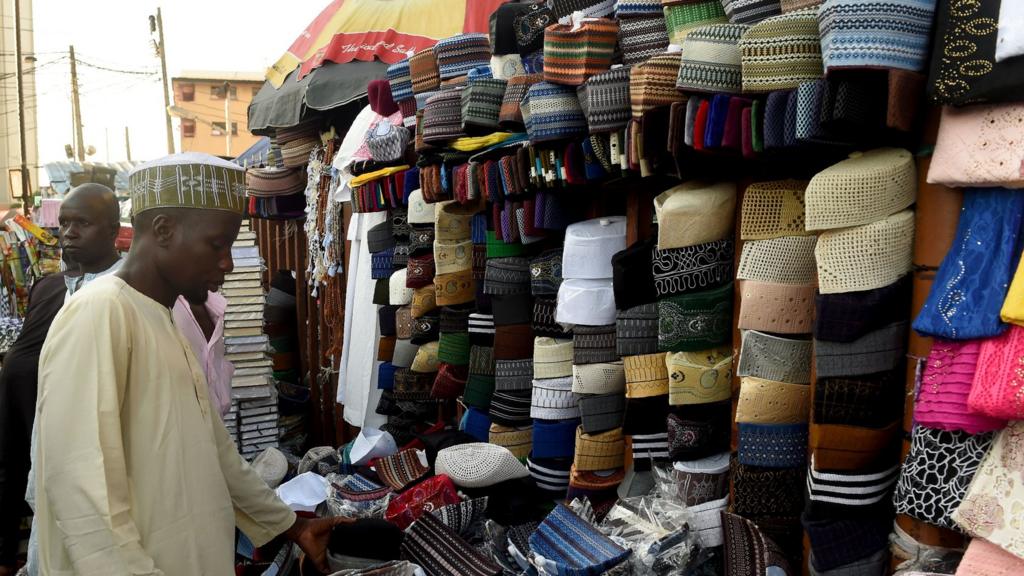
x: 199, y: 257
x: 86, y: 235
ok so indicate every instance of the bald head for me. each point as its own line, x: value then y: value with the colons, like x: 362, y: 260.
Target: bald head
x: 89, y: 221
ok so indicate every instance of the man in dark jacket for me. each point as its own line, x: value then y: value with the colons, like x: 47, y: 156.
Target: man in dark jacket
x: 89, y: 222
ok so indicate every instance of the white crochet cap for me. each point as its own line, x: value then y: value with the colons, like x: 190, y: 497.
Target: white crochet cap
x: 399, y: 294
x: 271, y: 465
x: 479, y: 465
x: 866, y: 187
x: 784, y: 260
x: 866, y: 257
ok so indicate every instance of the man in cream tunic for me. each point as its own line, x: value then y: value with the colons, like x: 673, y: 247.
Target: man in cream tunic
x: 135, y: 472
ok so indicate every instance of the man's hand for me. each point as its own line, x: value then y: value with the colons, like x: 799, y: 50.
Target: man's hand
x: 312, y: 535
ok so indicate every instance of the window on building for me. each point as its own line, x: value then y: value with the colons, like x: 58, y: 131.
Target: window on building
x: 188, y: 128
x: 217, y: 92
x: 218, y: 129
x: 188, y: 92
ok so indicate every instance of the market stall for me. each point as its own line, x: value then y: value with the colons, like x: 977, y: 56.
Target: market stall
x: 713, y: 287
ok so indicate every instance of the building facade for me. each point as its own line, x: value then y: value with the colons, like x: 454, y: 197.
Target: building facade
x: 211, y: 110
x: 10, y: 141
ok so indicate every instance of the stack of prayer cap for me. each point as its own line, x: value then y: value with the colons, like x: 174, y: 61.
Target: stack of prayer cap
x: 642, y: 37
x: 459, y: 54
x: 711, y: 59
x: 859, y: 35
x: 400, y: 79
x: 683, y: 16
x: 272, y: 181
x: 862, y: 189
x: 781, y: 52
x: 602, y: 412
x: 586, y: 295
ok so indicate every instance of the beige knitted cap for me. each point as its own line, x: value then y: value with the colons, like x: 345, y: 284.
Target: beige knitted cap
x: 773, y: 209
x: 865, y: 257
x: 552, y: 358
x: 694, y: 213
x: 776, y: 308
x: 784, y: 260
x: 769, y: 402
x: 600, y: 378
x: 866, y: 187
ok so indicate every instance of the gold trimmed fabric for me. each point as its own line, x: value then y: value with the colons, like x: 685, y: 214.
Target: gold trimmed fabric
x: 646, y: 375
x: 699, y: 377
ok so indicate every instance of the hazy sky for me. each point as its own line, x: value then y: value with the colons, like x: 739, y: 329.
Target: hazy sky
x: 241, y: 35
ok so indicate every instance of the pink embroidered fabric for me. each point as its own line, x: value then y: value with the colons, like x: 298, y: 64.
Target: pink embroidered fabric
x: 984, y: 558
x: 980, y: 146
x: 998, y: 388
x: 945, y: 386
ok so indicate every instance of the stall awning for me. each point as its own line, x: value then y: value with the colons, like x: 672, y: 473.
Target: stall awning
x: 385, y: 30
x: 328, y: 87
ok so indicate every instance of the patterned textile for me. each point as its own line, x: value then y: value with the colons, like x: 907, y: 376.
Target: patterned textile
x: 693, y: 268
x: 767, y: 491
x: 442, y: 116
x: 711, y: 59
x: 573, y: 547
x: 511, y: 408
x: 463, y: 517
x: 550, y: 474
x: 704, y: 480
x: 507, y: 276
x: 937, y: 473
x: 780, y: 52
x: 890, y: 34
x: 695, y: 321
x: 970, y: 286
x: 773, y: 209
x: 481, y: 105
x: 861, y: 189
x: 441, y: 552
x: 653, y: 84
x: 601, y: 412
x: 845, y: 317
x: 543, y: 322
x: 682, y: 18
x: 513, y: 374
x: 636, y: 330
x: 866, y: 257
x: 433, y: 493
x: 423, y: 71
x: 602, y: 451
x: 748, y: 551
x: 594, y: 344
x: 607, y: 100
x: 642, y: 37
x: 877, y: 351
x: 634, y: 8
x: 750, y: 11
x: 573, y: 54
x: 646, y: 376
x: 699, y: 377
x: 188, y: 180
x: 400, y: 79
x: 546, y: 273
x: 401, y: 469
x: 699, y: 431
x: 991, y: 506
x: 773, y: 445
x: 774, y: 358
x: 871, y: 400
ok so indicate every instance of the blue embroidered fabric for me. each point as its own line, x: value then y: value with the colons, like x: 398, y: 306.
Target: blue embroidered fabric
x: 972, y: 280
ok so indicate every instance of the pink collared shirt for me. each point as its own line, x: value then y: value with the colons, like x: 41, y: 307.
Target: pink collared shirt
x: 209, y: 353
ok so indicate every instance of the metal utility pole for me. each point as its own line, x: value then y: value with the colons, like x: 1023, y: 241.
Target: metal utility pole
x: 227, y: 117
x: 26, y: 188
x: 127, y: 145
x: 76, y: 107
x: 156, y: 24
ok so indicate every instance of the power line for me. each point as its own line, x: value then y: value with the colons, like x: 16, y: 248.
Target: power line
x: 116, y: 70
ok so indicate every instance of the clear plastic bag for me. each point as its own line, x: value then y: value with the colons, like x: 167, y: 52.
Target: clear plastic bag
x: 336, y: 505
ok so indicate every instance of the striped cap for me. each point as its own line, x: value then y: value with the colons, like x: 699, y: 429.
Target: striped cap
x: 442, y: 116
x: 400, y: 78
x: 781, y: 52
x: 481, y: 105
x: 643, y: 37
x: 890, y: 34
x: 459, y: 54
x: 423, y: 72
x: 573, y: 54
x: 607, y: 100
x: 750, y: 11
x: 682, y: 17
x: 653, y: 84
x: 553, y: 399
